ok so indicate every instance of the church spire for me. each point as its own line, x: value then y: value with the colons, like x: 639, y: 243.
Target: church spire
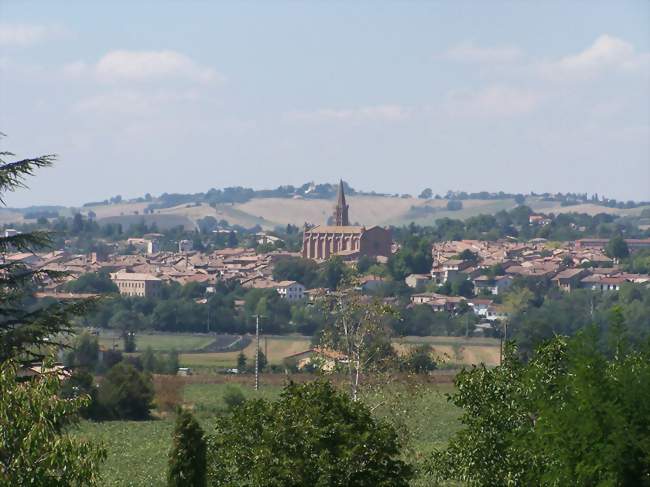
x: 341, y: 211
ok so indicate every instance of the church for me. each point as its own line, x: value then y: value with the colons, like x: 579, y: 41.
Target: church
x: 345, y: 240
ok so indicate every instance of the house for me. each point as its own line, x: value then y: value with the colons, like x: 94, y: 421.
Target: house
x: 423, y: 298
x: 323, y: 359
x: 599, y: 282
x: 480, y: 306
x: 416, y: 281
x: 569, y: 279
x: 450, y: 270
x: 493, y: 285
x: 137, y: 284
x: 633, y: 244
x: 290, y: 290
x: 185, y: 246
x: 496, y: 313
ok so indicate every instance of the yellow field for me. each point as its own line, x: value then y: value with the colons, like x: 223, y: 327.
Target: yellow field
x: 277, y: 347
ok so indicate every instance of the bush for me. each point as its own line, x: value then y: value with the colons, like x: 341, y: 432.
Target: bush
x: 34, y: 447
x: 454, y: 205
x: 187, y: 458
x: 233, y: 397
x: 313, y: 435
x: 126, y: 393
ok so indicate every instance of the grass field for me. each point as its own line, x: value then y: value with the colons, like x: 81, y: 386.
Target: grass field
x: 137, y: 451
x: 275, y: 347
x: 453, y: 351
x: 161, y: 342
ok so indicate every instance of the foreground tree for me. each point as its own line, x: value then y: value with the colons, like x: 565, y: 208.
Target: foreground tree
x: 126, y: 393
x: 571, y: 416
x: 187, y: 458
x: 27, y: 328
x: 359, y: 330
x: 313, y: 435
x: 35, y: 450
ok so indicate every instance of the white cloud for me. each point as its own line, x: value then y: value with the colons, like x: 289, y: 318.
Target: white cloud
x: 471, y: 53
x: 493, y: 101
x: 133, y: 102
x: 122, y: 65
x: 607, y: 53
x: 27, y: 34
x: 389, y: 113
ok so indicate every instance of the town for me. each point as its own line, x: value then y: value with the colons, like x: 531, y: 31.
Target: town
x: 456, y: 277
x: 333, y: 244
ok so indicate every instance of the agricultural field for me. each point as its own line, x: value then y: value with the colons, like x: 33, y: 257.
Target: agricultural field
x: 196, y: 350
x: 276, y: 348
x: 138, y: 450
x: 367, y: 210
x: 160, y: 342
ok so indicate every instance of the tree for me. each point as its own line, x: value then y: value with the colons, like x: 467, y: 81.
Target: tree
x: 86, y: 351
x: 570, y: 416
x: 426, y: 194
x: 26, y: 330
x: 617, y: 248
x: 35, y: 449
x: 419, y: 360
x: 187, y: 458
x: 312, y: 435
x: 92, y: 282
x: 126, y: 393
x: 241, y: 362
x: 454, y: 205
x: 358, y: 330
x: 463, y: 288
x: 233, y: 397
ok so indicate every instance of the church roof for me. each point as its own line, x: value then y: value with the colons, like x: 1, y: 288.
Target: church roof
x: 337, y: 229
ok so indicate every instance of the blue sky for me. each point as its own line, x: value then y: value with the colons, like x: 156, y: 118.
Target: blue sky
x: 177, y: 96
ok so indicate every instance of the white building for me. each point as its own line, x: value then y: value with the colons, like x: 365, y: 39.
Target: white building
x: 290, y: 290
x: 185, y: 246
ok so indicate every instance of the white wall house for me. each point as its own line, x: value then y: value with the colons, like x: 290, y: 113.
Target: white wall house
x: 290, y: 290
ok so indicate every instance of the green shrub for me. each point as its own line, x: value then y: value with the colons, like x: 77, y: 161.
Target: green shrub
x: 126, y: 393
x: 233, y: 397
x: 187, y: 458
x: 313, y: 435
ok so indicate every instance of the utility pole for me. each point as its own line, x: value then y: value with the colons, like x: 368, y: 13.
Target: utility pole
x: 209, y: 290
x: 257, y: 352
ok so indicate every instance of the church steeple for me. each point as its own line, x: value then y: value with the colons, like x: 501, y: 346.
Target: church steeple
x: 341, y: 211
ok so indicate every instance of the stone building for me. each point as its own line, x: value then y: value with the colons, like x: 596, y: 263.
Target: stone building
x: 136, y: 284
x: 345, y: 240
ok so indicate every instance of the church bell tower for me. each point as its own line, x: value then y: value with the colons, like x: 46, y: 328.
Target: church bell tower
x: 341, y: 210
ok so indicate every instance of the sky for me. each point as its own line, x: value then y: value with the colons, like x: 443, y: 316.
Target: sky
x: 184, y: 96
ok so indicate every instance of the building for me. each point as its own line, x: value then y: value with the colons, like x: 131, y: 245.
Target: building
x: 136, y: 284
x: 633, y: 244
x: 185, y: 246
x: 569, y: 279
x: 290, y: 290
x: 345, y: 240
x: 493, y: 285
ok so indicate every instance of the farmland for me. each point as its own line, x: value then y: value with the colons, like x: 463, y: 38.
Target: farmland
x: 195, y: 348
x: 137, y: 451
x: 367, y: 210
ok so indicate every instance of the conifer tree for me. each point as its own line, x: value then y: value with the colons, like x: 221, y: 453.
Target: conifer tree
x: 25, y: 327
x: 187, y: 458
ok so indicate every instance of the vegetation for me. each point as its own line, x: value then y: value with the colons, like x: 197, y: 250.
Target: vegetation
x: 187, y: 458
x: 126, y: 393
x: 573, y: 415
x: 34, y: 449
x: 313, y: 435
